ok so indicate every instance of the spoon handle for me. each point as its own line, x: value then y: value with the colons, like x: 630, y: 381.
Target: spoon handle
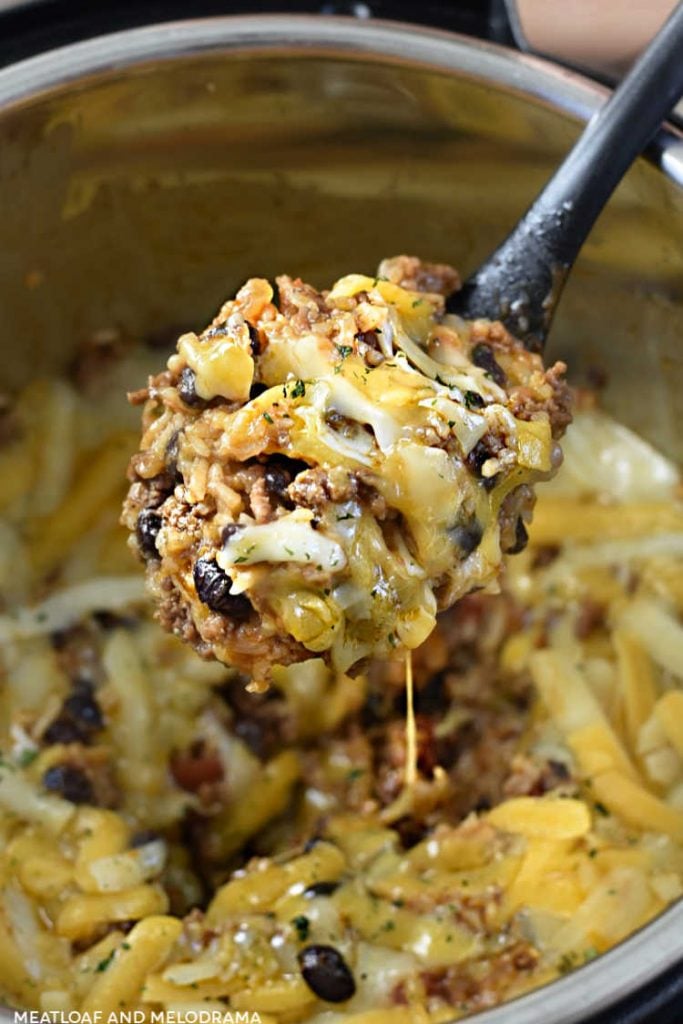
x: 522, y: 281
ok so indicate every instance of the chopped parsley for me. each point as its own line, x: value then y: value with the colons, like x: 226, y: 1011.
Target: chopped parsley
x: 573, y: 959
x: 104, y: 964
x: 416, y: 303
x: 567, y: 963
x: 267, y: 417
x: 245, y: 556
x: 344, y: 350
x: 27, y: 757
x: 302, y: 925
x: 299, y: 390
x: 601, y: 809
x: 347, y: 515
x: 355, y: 773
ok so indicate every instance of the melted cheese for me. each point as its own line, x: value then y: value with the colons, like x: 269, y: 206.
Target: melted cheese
x: 411, y: 731
x: 223, y: 365
x: 289, y: 539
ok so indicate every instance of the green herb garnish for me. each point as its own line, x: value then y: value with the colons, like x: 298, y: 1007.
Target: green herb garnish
x: 104, y: 964
x: 302, y: 925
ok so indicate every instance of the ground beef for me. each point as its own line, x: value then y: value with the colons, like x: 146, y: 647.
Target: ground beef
x: 420, y: 276
x: 558, y: 403
x: 300, y: 302
x: 482, y: 984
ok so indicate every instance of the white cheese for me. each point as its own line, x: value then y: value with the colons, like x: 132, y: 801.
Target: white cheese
x: 469, y: 427
x: 348, y: 401
x: 289, y: 539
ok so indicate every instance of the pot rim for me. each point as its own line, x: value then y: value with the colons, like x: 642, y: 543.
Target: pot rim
x: 321, y: 35
x: 652, y: 950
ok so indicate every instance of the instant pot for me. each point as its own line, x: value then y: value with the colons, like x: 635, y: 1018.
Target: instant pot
x: 144, y: 173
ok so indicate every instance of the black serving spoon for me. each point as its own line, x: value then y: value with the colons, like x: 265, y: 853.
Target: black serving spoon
x: 522, y: 280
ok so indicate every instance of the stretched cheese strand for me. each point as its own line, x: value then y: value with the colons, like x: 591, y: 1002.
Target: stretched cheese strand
x: 411, y: 734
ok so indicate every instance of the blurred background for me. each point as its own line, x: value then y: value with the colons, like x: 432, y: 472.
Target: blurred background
x: 598, y: 36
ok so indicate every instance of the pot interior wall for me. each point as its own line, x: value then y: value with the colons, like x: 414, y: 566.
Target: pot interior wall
x: 142, y: 198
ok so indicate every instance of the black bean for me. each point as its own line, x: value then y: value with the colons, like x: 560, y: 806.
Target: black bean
x: 521, y: 538
x: 148, y: 526
x: 229, y: 531
x: 291, y: 466
x: 483, y: 357
x: 260, y: 737
x: 171, y: 455
x: 450, y: 748
x: 254, y: 340
x: 277, y: 480
x: 144, y: 836
x: 377, y: 707
x: 83, y: 707
x: 321, y: 889
x: 213, y: 590
x: 473, y: 400
x: 433, y: 698
x: 219, y: 331
x: 187, y: 388
x: 63, y: 729
x: 60, y: 638
x: 476, y: 459
x: 70, y: 782
x: 326, y: 973
x: 559, y: 769
x: 467, y: 536
x: 110, y: 620
x: 410, y: 831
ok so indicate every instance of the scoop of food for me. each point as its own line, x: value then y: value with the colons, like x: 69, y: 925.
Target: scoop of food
x: 321, y: 472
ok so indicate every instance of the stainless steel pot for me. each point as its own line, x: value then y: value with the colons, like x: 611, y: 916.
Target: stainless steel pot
x: 144, y: 174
